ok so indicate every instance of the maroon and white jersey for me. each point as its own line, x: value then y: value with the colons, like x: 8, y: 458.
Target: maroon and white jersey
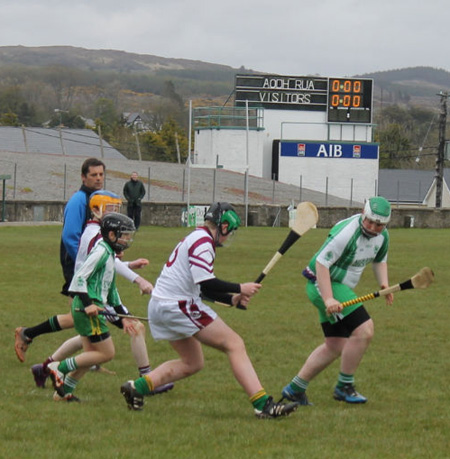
x: 190, y: 263
x: 89, y: 239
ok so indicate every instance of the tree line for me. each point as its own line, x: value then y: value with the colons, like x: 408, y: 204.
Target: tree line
x: 63, y: 96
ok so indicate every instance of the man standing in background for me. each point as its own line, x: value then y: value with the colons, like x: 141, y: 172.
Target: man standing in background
x: 134, y: 191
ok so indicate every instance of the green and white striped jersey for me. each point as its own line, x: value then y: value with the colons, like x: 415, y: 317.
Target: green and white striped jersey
x: 346, y: 251
x: 96, y: 276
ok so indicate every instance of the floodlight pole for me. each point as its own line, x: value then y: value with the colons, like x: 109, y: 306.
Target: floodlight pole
x: 247, y: 161
x: 59, y: 111
x: 189, y: 165
x: 441, y: 149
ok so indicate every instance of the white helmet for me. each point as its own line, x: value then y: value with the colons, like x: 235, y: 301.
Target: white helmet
x: 378, y: 210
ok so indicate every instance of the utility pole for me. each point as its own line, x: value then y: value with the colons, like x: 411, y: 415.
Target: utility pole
x: 178, y: 148
x: 101, y: 140
x: 138, y: 147
x: 441, y: 149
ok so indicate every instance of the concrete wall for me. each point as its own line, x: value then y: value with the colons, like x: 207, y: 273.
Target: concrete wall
x: 169, y: 214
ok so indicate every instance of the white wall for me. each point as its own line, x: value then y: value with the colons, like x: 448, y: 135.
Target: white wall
x: 313, y: 173
x: 430, y: 198
x: 230, y: 146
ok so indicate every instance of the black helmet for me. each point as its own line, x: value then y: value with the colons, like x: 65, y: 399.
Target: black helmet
x: 122, y: 227
x: 223, y: 212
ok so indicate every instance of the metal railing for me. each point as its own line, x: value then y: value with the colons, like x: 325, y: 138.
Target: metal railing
x: 228, y: 118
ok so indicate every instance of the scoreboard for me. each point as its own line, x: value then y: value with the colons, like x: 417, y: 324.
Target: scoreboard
x: 349, y: 100
x: 345, y: 100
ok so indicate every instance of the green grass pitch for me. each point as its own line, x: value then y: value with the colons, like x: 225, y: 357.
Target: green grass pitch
x: 404, y: 374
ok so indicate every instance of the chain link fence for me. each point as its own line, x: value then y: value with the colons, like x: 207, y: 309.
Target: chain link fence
x: 43, y: 177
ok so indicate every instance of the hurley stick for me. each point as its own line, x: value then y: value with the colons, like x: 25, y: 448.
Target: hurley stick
x: 306, y: 217
x: 123, y: 316
x: 420, y: 280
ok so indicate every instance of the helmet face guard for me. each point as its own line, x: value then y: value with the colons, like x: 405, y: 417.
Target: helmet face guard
x: 378, y: 210
x: 123, y: 229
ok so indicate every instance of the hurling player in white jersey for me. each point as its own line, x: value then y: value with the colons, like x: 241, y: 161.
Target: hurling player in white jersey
x: 332, y: 274
x: 178, y: 314
x: 101, y: 203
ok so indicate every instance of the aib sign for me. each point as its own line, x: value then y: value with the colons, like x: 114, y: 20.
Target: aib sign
x: 330, y: 150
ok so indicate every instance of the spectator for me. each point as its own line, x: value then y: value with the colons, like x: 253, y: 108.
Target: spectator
x: 134, y: 191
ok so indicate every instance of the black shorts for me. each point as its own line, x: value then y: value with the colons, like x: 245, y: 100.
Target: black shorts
x: 99, y: 338
x: 344, y: 328
x: 68, y: 268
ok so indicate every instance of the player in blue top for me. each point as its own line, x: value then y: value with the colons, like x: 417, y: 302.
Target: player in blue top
x: 76, y: 214
x: 332, y: 274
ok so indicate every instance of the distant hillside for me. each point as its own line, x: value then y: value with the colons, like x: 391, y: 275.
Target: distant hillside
x: 88, y: 59
x: 136, y: 69
x: 411, y: 86
x: 145, y: 74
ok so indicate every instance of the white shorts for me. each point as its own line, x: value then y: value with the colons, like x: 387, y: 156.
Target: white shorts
x: 173, y: 320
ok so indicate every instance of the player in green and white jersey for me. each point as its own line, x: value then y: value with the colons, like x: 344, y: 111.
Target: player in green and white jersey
x: 332, y: 274
x: 94, y: 287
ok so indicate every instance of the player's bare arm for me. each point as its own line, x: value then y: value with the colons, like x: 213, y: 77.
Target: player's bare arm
x: 324, y: 282
x: 381, y: 274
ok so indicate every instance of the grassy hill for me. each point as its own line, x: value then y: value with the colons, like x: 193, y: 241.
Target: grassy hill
x: 142, y: 73
x: 36, y: 80
x: 410, y: 86
x: 134, y: 72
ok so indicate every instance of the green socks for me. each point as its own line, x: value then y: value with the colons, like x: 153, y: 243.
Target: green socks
x: 344, y: 379
x: 144, y: 385
x: 298, y: 384
x: 70, y: 384
x: 259, y: 399
x: 67, y: 365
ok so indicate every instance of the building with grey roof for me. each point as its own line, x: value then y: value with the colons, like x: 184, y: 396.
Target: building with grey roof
x: 412, y: 187
x: 64, y: 142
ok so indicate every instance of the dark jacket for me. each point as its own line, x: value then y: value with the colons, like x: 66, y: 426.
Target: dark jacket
x: 134, y: 191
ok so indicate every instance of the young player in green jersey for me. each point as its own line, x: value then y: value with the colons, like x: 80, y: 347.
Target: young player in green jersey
x: 94, y: 287
x: 332, y: 274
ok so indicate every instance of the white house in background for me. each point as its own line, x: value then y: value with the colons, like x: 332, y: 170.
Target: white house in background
x: 413, y: 187
x: 89, y: 122
x: 140, y: 121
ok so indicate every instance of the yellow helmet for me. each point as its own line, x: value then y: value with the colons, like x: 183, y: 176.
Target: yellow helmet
x: 103, y: 201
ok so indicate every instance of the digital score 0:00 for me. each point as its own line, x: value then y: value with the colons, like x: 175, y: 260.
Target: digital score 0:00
x: 350, y: 100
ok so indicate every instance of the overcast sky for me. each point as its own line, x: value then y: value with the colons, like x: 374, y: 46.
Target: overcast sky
x: 288, y: 37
